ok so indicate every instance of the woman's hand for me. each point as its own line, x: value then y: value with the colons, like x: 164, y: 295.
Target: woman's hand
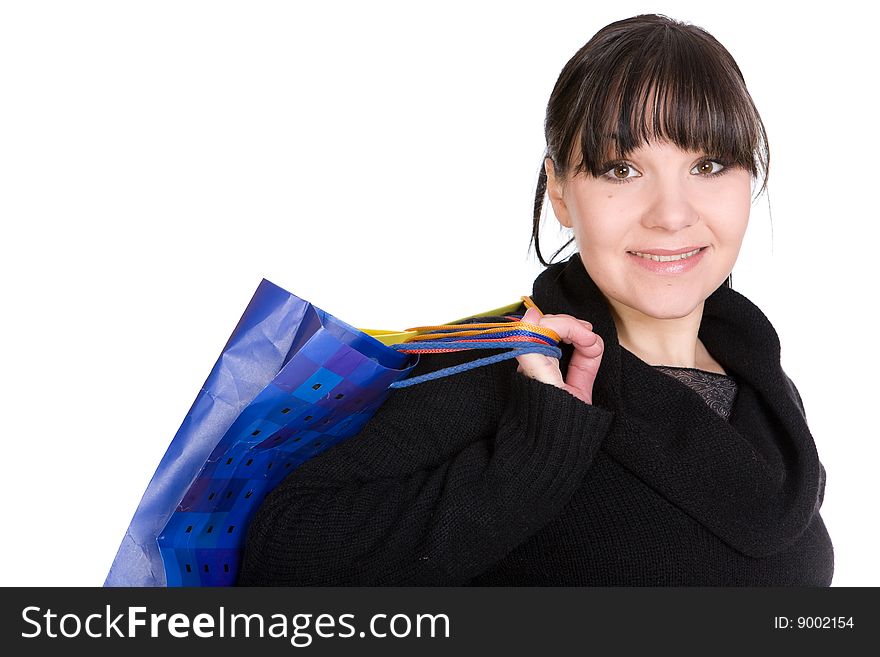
x: 584, y: 364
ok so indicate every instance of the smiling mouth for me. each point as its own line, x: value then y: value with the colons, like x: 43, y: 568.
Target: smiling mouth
x: 667, y: 258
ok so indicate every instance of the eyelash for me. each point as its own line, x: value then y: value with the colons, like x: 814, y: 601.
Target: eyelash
x: 619, y: 181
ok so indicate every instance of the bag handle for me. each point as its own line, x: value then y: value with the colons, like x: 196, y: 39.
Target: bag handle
x: 517, y: 336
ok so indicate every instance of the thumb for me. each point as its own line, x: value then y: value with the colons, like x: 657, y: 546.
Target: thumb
x: 532, y: 315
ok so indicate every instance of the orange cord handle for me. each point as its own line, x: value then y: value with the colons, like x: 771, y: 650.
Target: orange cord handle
x: 482, y: 328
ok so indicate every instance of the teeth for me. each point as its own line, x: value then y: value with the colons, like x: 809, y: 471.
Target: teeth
x: 660, y: 258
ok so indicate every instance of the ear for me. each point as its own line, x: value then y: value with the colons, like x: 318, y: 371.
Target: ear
x: 554, y: 191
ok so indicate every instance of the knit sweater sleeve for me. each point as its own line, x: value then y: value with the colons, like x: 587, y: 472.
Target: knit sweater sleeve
x: 447, y: 478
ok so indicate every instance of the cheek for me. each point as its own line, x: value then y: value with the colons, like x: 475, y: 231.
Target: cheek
x: 731, y: 219
x: 599, y: 224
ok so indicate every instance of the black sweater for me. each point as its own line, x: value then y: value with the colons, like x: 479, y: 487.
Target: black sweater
x: 490, y: 478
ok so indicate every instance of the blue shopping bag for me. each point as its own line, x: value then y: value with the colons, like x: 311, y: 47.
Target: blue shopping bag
x: 291, y: 381
x: 261, y: 411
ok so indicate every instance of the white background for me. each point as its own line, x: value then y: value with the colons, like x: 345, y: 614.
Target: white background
x: 379, y: 159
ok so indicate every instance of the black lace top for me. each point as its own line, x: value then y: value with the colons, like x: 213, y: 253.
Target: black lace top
x: 717, y: 390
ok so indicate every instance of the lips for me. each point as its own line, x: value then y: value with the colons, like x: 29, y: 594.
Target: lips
x: 666, y: 252
x: 668, y: 267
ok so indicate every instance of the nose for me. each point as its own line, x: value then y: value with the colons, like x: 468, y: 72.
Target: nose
x: 671, y: 207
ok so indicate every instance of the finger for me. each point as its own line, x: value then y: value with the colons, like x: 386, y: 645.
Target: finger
x: 532, y: 315
x: 540, y: 367
x: 588, y: 349
x: 572, y: 318
x: 584, y: 364
x: 570, y: 330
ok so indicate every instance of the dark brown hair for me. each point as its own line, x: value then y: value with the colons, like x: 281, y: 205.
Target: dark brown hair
x: 598, y: 107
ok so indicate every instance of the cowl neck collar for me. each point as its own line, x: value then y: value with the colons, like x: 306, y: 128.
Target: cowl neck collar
x: 753, y: 480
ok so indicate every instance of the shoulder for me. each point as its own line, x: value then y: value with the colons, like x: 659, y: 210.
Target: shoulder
x: 420, y: 426
x: 475, y: 391
x: 458, y: 387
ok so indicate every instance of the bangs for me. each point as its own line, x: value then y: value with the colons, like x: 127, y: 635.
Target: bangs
x: 669, y: 87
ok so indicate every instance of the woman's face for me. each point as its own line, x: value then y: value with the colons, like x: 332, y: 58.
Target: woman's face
x: 667, y: 202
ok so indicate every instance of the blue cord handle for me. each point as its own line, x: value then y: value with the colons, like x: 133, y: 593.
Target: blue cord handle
x: 516, y: 349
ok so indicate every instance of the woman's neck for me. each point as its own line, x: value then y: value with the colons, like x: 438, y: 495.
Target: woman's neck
x: 672, y: 342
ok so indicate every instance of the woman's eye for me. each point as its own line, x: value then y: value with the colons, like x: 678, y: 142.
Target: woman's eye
x: 619, y: 172
x: 705, y: 167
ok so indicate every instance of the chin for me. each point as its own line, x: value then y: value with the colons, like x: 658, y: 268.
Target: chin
x: 676, y: 303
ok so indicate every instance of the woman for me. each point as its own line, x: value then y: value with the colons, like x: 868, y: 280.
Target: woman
x: 665, y: 447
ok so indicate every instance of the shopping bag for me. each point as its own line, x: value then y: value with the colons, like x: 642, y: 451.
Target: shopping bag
x: 292, y: 381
